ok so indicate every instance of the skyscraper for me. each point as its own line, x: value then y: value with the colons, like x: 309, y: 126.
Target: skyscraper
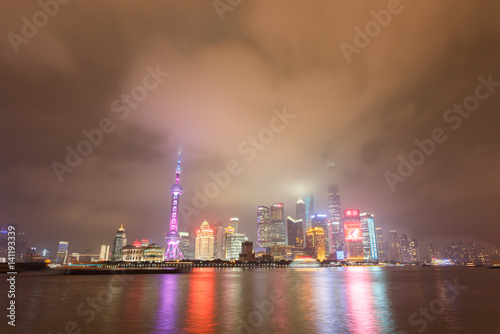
x: 309, y: 201
x: 218, y: 240
x: 382, y: 256
x: 233, y: 243
x: 315, y: 240
x: 187, y: 244
x: 204, y: 247
x: 414, y: 253
x: 278, y: 235
x: 119, y: 241
x: 173, y: 238
x: 62, y: 252
x: 353, y: 235
x: 320, y: 220
x: 233, y: 222
x: 300, y: 213
x: 263, y: 227
x: 295, y: 232
x: 395, y: 249
x: 370, y: 249
x: 104, y: 254
x: 335, y: 224
x: 404, y: 248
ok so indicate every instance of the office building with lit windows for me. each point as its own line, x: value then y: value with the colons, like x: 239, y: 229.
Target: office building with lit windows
x: 353, y: 235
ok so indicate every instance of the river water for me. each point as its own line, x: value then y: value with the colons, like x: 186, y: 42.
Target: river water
x: 322, y: 300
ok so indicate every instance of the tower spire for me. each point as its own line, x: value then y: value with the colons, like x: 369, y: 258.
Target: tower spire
x: 172, y: 252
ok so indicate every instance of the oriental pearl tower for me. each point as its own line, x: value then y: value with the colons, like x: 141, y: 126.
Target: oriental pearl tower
x: 172, y: 252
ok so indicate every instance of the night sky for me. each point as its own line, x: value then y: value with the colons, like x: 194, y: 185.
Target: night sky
x: 352, y: 97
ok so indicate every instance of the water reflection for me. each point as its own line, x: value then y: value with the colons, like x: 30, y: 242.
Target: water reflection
x: 201, y: 302
x: 361, y: 309
x: 167, y: 315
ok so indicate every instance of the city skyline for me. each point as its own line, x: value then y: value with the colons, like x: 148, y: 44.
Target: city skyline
x: 263, y: 112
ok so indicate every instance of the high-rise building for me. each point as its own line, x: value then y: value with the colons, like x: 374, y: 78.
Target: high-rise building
x: 233, y: 222
x: 295, y: 232
x: 204, y: 247
x: 370, y: 249
x: 119, y: 241
x: 233, y: 245
x: 300, y: 214
x: 247, y: 253
x: 187, y: 244
x: 218, y: 240
x: 173, y: 238
x: 315, y: 241
x: 335, y: 224
x: 380, y: 244
x: 414, y: 253
x: 353, y: 235
x: 62, y: 252
x: 334, y: 209
x: 104, y: 254
x: 278, y: 234
x: 321, y: 220
x: 263, y: 227
x: 394, y: 247
x: 404, y: 248
x: 309, y: 201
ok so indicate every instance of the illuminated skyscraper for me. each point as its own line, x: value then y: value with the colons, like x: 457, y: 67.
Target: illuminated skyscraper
x: 335, y: 224
x: 370, y: 249
x: 414, y: 253
x: 263, y: 227
x: 233, y: 222
x: 278, y: 235
x: 104, y: 254
x: 119, y: 241
x: 353, y: 235
x: 232, y: 244
x: 187, y: 244
x: 315, y: 240
x: 204, y: 247
x: 300, y: 213
x: 295, y: 232
x: 404, y: 248
x: 62, y: 252
x: 218, y: 241
x: 394, y: 247
x: 320, y: 220
x: 173, y: 238
x: 309, y: 201
x: 382, y: 254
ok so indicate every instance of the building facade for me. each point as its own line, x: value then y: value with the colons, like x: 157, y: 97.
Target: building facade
x: 204, y: 244
x: 278, y: 233
x: 263, y: 227
x: 119, y: 242
x: 295, y: 232
x: 315, y: 241
x: 370, y: 246
x: 353, y: 235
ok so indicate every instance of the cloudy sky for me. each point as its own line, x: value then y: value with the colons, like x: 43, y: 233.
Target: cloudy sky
x: 353, y: 95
